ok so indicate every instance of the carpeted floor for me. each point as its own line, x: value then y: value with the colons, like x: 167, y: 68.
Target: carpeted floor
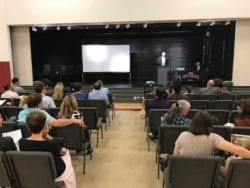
x: 128, y: 106
x: 122, y: 159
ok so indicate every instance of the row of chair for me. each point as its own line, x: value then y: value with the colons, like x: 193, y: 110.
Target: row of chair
x: 197, y: 172
x: 167, y: 136
x: 76, y: 142
x: 28, y: 169
x: 210, y: 96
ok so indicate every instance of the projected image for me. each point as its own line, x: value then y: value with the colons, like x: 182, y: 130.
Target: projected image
x: 106, y: 58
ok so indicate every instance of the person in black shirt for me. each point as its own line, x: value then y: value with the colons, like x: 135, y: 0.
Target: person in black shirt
x: 36, y: 142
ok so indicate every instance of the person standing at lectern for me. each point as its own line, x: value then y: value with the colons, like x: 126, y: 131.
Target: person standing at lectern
x: 197, y: 66
x: 163, y: 59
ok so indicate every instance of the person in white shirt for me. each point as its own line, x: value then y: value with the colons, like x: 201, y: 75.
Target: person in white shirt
x: 8, y: 92
x: 163, y: 59
x: 47, y: 102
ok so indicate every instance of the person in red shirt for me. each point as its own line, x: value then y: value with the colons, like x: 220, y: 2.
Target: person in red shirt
x: 243, y: 108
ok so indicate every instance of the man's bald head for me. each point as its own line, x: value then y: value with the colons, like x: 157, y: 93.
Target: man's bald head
x: 210, y: 83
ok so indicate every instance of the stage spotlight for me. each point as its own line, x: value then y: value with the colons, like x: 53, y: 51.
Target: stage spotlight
x: 127, y: 26
x: 117, y: 26
x: 227, y: 22
x: 178, y: 24
x: 34, y: 28
x: 58, y: 28
x: 69, y: 27
x: 145, y: 25
x: 198, y: 24
x: 106, y: 26
x: 212, y: 23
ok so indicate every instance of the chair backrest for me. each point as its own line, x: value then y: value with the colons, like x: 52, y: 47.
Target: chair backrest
x: 111, y: 98
x: 58, y: 102
x: 12, y: 111
x: 208, y: 97
x: 81, y: 103
x: 223, y: 131
x: 191, y: 113
x: 146, y: 104
x: 7, y: 144
x: 238, y: 174
x: 222, y: 115
x: 167, y: 137
x: 227, y: 97
x: 72, y: 134
x: 241, y: 130
x: 234, y: 114
x: 154, y: 119
x: 54, y: 111
x: 100, y: 105
x: 90, y: 116
x: 193, y: 96
x: 33, y: 169
x: 16, y: 101
x: 150, y: 96
x: 221, y: 104
x: 199, y: 104
x: 243, y: 96
x: 7, y: 127
x: 4, y: 177
x: 192, y: 171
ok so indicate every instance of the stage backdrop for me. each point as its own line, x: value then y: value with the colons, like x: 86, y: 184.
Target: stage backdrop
x: 57, y: 55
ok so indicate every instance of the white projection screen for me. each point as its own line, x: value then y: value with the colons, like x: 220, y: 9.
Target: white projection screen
x: 106, y: 58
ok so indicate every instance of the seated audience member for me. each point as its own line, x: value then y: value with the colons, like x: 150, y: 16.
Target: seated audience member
x: 1, y: 121
x: 243, y: 109
x: 47, y: 83
x: 36, y: 122
x: 188, y: 90
x: 34, y: 104
x: 158, y: 102
x: 177, y: 114
x: 47, y: 102
x: 170, y: 88
x: 8, y: 92
x: 219, y: 83
x: 200, y: 140
x: 104, y: 89
x: 77, y: 86
x: 16, y: 87
x: 98, y: 94
x: 69, y: 110
x: 213, y: 88
x: 177, y: 95
x: 23, y: 101
x: 58, y: 91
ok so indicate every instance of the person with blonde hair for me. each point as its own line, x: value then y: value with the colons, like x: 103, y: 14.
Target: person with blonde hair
x: 68, y: 108
x: 58, y: 91
x: 177, y: 114
x: 23, y: 101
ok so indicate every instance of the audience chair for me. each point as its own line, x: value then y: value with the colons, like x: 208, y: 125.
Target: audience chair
x: 223, y: 131
x: 154, y: 121
x: 5, y: 179
x: 74, y: 138
x: 150, y: 96
x: 167, y: 136
x: 10, y: 101
x: 208, y: 97
x: 240, y: 130
x: 33, y: 169
x: 146, y: 103
x: 227, y: 97
x: 171, y: 102
x: 81, y: 103
x: 12, y: 111
x: 243, y: 96
x: 199, y: 104
x: 222, y: 115
x: 92, y: 121
x: 58, y: 102
x: 234, y: 114
x: 221, y: 104
x: 16, y: 101
x: 53, y: 111
x: 193, y: 96
x: 7, y: 144
x: 111, y: 104
x: 191, y: 113
x: 238, y: 174
x: 182, y: 170
x: 102, y: 110
x: 7, y: 127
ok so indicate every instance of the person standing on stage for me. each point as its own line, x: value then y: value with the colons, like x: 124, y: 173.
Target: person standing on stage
x: 163, y: 59
x: 197, y: 66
